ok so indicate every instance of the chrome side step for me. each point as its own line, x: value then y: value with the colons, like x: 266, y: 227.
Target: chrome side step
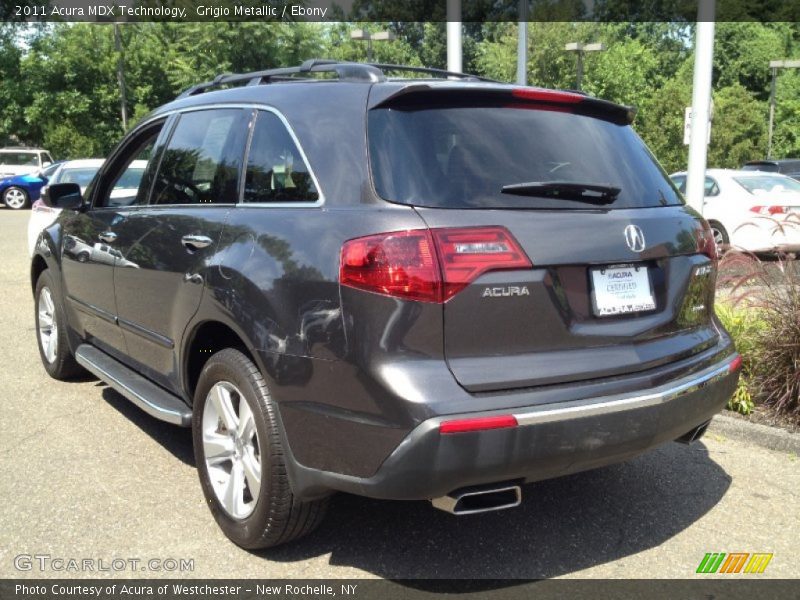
x: 152, y: 399
x: 474, y: 500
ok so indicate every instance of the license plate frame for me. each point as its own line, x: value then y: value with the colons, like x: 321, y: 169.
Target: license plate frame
x: 633, y: 293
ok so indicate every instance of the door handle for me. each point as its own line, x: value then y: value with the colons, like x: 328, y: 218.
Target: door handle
x: 195, y: 242
x: 108, y: 236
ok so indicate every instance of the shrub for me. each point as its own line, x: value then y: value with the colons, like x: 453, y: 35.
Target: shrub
x: 745, y: 328
x: 767, y: 294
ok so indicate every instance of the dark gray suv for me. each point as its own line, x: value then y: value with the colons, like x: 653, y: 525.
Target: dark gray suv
x: 431, y: 287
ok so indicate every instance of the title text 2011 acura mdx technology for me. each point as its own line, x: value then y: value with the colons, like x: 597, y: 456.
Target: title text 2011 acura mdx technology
x: 434, y: 287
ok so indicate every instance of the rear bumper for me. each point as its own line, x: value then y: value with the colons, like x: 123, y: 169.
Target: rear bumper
x: 549, y: 440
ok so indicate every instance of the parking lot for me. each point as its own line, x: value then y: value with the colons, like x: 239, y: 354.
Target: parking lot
x: 88, y: 475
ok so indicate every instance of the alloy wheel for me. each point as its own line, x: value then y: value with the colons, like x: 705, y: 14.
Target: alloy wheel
x: 48, y: 328
x: 231, y: 450
x: 15, y: 198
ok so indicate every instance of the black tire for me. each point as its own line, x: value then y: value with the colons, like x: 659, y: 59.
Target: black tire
x: 720, y: 236
x: 277, y: 517
x: 12, y: 197
x: 63, y: 366
x: 83, y: 257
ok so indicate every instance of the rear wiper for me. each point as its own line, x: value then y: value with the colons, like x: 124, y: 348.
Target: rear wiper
x: 594, y: 193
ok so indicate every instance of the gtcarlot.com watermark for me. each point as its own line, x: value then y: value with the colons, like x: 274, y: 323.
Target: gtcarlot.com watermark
x: 71, y: 564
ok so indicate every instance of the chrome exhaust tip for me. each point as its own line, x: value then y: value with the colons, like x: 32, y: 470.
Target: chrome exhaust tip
x: 475, y: 500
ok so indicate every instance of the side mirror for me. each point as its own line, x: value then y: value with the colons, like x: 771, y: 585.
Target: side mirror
x: 63, y: 195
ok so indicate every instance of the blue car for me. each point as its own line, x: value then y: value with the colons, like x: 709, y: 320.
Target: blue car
x: 20, y: 191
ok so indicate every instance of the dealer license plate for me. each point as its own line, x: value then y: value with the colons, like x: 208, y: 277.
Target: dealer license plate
x: 621, y: 289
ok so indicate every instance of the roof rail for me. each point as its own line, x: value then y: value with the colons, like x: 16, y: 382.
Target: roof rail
x: 431, y: 71
x: 349, y: 71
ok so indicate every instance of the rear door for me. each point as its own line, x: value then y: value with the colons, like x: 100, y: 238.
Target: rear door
x: 168, y: 245
x: 617, y: 283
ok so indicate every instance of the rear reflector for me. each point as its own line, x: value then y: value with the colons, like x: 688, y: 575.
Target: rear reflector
x: 428, y: 265
x: 478, y: 424
x: 735, y: 364
x: 770, y: 210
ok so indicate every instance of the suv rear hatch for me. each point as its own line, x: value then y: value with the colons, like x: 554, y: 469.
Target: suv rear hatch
x: 621, y: 275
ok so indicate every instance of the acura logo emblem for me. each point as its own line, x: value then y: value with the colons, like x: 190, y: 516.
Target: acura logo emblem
x: 634, y: 238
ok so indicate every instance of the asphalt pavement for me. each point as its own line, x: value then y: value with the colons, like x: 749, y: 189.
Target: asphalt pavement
x: 86, y: 475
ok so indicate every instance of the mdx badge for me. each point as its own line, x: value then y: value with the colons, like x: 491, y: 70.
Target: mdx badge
x: 634, y: 238
x: 511, y: 290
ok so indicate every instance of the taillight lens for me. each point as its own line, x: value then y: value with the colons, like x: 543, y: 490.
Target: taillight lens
x: 705, y: 242
x: 467, y: 253
x: 401, y: 264
x: 428, y: 265
x: 770, y: 210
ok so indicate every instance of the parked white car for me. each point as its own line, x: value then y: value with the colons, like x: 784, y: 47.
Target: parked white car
x: 82, y: 172
x: 70, y: 171
x: 22, y: 160
x: 753, y: 211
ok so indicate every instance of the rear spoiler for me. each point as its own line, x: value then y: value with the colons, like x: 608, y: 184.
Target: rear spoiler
x: 420, y: 95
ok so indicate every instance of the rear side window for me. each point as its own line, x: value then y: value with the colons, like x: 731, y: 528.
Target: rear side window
x: 203, y: 158
x: 463, y: 156
x: 276, y: 171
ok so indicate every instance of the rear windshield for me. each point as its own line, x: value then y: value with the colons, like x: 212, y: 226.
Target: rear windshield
x: 768, y: 183
x: 462, y: 157
x: 771, y: 167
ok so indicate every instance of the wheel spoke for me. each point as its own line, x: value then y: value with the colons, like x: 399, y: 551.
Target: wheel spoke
x: 49, y: 351
x: 233, y: 498
x: 45, y: 320
x: 246, y: 427
x: 218, y: 448
x: 222, y: 402
x: 252, y: 472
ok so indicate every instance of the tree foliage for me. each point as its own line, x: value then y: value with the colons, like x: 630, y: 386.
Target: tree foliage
x: 59, y: 88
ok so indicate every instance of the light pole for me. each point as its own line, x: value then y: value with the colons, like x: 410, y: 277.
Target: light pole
x: 581, y: 49
x: 522, y: 44
x: 365, y: 36
x: 774, y: 65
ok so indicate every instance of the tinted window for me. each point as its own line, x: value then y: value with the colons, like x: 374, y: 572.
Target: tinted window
x: 203, y: 158
x: 461, y: 157
x: 128, y: 187
x: 276, y: 171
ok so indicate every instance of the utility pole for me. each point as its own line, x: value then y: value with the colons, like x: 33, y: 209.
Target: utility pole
x: 774, y: 65
x: 123, y: 96
x: 454, y: 51
x: 581, y: 49
x: 522, y: 44
x: 701, y: 105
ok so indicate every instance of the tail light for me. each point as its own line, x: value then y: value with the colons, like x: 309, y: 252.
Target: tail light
x: 428, y: 265
x: 770, y: 210
x: 705, y: 242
